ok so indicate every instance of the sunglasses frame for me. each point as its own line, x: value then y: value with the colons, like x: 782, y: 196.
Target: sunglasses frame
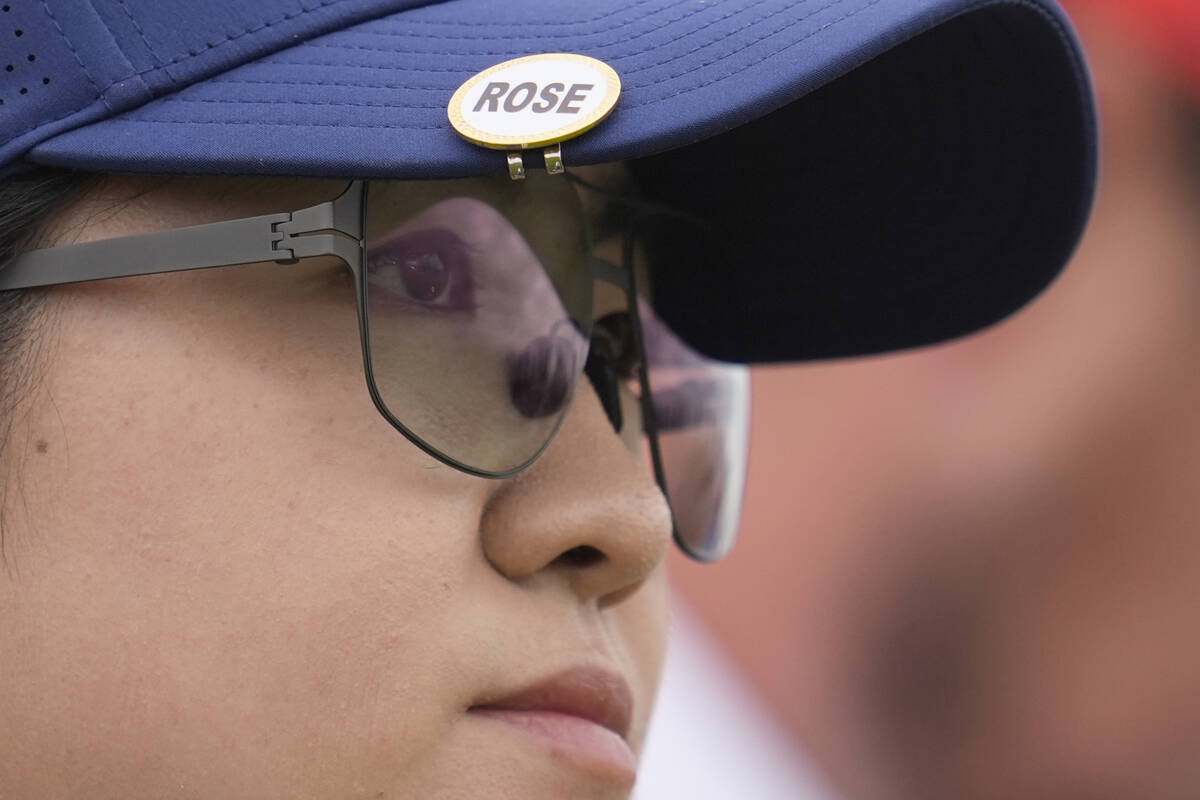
x: 643, y: 215
x: 335, y: 228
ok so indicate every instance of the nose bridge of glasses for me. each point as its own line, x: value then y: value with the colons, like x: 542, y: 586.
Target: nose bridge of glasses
x: 604, y: 270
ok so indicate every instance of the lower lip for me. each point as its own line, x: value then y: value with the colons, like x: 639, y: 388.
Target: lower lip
x: 579, y: 741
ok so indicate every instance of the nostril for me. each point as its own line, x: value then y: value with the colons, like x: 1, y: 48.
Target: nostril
x: 582, y: 556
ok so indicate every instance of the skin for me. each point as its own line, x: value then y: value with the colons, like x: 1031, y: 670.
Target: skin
x: 229, y: 576
x: 987, y: 557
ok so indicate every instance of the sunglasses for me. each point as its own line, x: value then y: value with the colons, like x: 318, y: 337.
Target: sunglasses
x: 490, y: 285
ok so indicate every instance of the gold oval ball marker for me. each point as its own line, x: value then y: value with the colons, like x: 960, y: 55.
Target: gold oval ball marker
x: 534, y: 101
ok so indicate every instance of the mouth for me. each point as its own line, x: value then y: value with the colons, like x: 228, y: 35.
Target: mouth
x: 582, y: 715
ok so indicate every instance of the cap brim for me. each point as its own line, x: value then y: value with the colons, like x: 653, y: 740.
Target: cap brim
x: 894, y: 173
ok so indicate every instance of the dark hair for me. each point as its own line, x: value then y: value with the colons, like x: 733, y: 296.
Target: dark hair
x: 26, y: 201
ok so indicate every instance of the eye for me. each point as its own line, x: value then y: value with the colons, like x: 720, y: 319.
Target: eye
x: 613, y: 340
x: 426, y: 268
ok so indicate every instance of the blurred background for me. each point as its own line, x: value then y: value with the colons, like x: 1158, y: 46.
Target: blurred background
x: 973, y: 571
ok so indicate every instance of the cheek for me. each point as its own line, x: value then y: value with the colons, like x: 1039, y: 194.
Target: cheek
x: 643, y: 621
x: 222, y: 543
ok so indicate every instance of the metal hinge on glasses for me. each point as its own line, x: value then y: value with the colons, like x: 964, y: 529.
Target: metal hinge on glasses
x: 331, y: 228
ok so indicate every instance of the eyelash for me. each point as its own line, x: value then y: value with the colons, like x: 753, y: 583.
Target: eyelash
x: 422, y: 267
x: 613, y: 333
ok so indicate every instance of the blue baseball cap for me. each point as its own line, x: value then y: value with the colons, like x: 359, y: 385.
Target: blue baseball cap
x: 891, y: 173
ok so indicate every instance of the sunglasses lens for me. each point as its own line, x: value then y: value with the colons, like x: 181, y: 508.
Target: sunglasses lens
x: 477, y: 300
x: 702, y: 416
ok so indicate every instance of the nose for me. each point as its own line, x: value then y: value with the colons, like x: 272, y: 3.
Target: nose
x: 587, y: 512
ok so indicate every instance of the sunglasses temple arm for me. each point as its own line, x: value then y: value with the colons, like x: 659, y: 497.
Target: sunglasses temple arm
x: 250, y: 240
x: 649, y: 421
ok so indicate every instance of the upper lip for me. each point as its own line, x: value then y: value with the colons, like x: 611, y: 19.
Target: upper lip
x: 592, y: 693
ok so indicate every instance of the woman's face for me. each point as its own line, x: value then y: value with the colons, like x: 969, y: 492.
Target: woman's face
x: 228, y: 576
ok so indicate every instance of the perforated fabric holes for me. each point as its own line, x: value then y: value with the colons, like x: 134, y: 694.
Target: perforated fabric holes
x: 22, y: 81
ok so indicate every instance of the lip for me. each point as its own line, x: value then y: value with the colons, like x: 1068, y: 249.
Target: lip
x: 593, y: 694
x: 582, y: 714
